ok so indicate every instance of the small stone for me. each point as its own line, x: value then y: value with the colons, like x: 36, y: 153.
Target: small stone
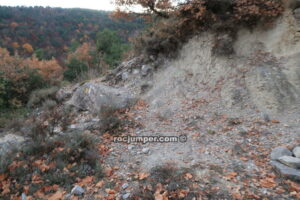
x: 77, y: 190
x: 296, y: 152
x: 279, y: 152
x: 130, y: 147
x: 266, y: 117
x: 125, y: 185
x: 286, y: 171
x: 146, y: 69
x: 23, y: 197
x: 126, y: 196
x: 145, y: 150
x: 125, y: 76
x: 136, y: 71
x: 290, y: 161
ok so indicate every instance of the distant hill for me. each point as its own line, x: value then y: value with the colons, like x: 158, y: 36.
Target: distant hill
x: 53, y: 31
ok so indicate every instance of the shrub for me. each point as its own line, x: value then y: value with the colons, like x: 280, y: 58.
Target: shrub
x: 55, y: 161
x: 195, y: 16
x: 74, y: 69
x: 19, y: 77
x: 39, y: 96
x: 111, y: 47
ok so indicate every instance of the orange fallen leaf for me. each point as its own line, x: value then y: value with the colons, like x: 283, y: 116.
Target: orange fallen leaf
x: 56, y: 196
x: 87, y: 180
x: 231, y: 175
x: 237, y: 195
x: 108, y: 171
x: 267, y: 182
x: 100, y: 184
x: 110, y: 191
x: 2, y: 177
x: 143, y: 175
x: 188, y: 176
x: 275, y: 121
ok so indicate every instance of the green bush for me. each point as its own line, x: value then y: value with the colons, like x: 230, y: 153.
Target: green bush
x: 74, y: 69
x: 111, y: 47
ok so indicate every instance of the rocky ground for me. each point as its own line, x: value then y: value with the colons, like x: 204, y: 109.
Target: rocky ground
x: 233, y: 111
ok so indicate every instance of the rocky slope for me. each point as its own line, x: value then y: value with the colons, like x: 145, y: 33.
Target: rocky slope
x: 229, y: 111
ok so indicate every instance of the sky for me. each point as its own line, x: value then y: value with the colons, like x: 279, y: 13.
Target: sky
x: 90, y: 4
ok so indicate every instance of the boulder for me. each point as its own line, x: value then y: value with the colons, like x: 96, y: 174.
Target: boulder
x: 290, y: 161
x: 101, y: 99
x: 285, y: 171
x: 279, y: 152
x: 296, y: 152
x: 65, y: 92
x: 10, y: 142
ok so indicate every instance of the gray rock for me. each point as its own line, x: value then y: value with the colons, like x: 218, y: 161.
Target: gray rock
x: 101, y: 99
x: 266, y: 117
x: 23, y: 197
x: 285, y: 171
x: 296, y: 152
x: 145, y: 150
x: 146, y: 69
x: 65, y: 92
x: 125, y: 185
x: 279, y: 152
x: 130, y: 147
x: 125, y: 76
x: 77, y: 190
x: 126, y: 196
x: 297, y: 13
x: 10, y: 142
x: 290, y: 161
x: 135, y: 72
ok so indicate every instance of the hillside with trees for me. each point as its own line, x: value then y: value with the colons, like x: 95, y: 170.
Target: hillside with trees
x: 51, y: 32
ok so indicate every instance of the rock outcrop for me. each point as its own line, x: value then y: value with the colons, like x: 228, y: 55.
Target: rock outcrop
x: 99, y: 98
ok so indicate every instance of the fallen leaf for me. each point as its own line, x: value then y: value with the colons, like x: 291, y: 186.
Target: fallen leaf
x: 230, y: 175
x: 87, y: 180
x: 143, y: 175
x: 110, y: 191
x: 268, y: 182
x: 3, y: 177
x: 56, y: 196
x: 108, y: 171
x: 100, y: 184
x: 275, y: 121
x: 188, y: 176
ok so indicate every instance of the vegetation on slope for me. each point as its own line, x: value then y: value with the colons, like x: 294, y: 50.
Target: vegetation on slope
x: 50, y: 32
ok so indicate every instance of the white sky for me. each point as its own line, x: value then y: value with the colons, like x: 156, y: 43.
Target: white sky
x: 91, y: 4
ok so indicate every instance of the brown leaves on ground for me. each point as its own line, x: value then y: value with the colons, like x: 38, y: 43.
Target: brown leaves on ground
x: 140, y: 105
x: 188, y: 176
x: 142, y: 175
x: 160, y: 194
x: 231, y: 176
x: 268, y: 182
x: 59, y: 195
x: 86, y: 181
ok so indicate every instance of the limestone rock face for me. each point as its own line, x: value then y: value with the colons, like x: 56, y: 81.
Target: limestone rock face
x: 98, y: 98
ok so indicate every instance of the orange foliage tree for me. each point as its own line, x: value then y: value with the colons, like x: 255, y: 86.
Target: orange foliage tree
x: 28, y: 47
x: 49, y: 70
x: 20, y: 76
